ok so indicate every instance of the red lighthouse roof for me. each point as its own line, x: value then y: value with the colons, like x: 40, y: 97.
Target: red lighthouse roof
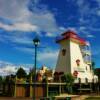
x: 69, y: 32
x: 72, y: 36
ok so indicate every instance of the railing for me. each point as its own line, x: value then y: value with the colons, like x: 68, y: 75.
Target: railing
x: 52, y: 93
x: 85, y: 52
x: 88, y: 62
x: 83, y: 80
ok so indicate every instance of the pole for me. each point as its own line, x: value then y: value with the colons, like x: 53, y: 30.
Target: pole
x: 15, y: 86
x: 34, y: 98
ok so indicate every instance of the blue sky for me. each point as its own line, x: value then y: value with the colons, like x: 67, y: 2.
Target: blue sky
x: 22, y: 20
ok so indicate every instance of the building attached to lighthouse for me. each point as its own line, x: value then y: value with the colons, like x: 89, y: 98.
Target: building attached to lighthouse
x: 74, y: 57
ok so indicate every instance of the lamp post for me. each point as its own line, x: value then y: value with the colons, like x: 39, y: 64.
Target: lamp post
x: 36, y: 42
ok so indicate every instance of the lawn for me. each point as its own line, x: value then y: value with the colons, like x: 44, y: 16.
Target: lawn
x: 93, y: 98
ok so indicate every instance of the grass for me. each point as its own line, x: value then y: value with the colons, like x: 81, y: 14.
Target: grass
x: 93, y: 98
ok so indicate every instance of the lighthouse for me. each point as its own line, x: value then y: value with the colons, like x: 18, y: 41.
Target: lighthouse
x: 74, y: 57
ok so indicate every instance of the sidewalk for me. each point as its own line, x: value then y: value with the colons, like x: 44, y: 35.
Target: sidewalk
x: 83, y: 97
x: 80, y: 97
x: 12, y: 98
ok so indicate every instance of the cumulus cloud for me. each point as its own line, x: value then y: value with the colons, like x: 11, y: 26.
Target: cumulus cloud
x: 18, y: 12
x: 23, y: 22
x: 7, y: 68
x: 48, y: 57
x: 62, y: 28
x: 90, y: 36
x: 87, y: 11
x: 14, y: 9
x: 19, y: 27
x: 48, y: 34
x: 85, y: 31
x: 25, y: 49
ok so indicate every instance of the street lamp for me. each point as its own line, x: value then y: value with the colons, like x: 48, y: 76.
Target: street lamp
x: 36, y: 42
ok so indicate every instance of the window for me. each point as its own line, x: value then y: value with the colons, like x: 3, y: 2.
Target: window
x: 63, y: 52
x: 78, y: 62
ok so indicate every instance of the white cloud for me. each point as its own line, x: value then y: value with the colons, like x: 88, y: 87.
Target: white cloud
x: 14, y: 9
x: 48, y: 58
x: 98, y: 1
x: 25, y: 49
x: 84, y: 30
x: 72, y: 28
x: 19, y: 27
x: 87, y: 11
x: 90, y: 36
x: 19, y: 40
x: 46, y: 22
x: 50, y: 34
x: 25, y: 21
x: 98, y: 12
x: 17, y: 11
x: 62, y: 28
x: 7, y: 68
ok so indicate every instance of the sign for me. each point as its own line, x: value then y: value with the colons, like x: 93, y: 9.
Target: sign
x: 79, y: 69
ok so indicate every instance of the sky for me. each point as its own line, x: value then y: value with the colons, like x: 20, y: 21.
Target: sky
x: 22, y: 20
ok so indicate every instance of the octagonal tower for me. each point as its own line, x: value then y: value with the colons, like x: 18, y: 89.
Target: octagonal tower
x: 74, y: 57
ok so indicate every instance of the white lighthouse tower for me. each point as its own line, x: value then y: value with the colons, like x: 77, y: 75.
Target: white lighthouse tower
x: 74, y: 57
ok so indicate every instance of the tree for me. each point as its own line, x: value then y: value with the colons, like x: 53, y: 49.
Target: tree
x: 0, y: 79
x: 31, y: 76
x: 97, y: 72
x: 69, y: 79
x: 21, y: 73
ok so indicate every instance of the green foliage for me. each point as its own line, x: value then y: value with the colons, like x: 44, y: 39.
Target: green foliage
x: 69, y: 79
x: 31, y: 75
x: 45, y: 80
x: 21, y: 73
x: 32, y: 72
x: 93, y: 98
x: 1, y: 79
x: 7, y: 78
x: 63, y: 78
x: 97, y: 72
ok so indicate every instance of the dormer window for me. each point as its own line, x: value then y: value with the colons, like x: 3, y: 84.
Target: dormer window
x: 78, y: 62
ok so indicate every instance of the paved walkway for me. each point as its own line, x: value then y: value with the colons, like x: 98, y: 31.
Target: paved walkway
x: 11, y: 98
x: 81, y: 97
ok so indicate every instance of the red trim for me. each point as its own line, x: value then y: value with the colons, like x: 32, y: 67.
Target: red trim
x: 69, y: 31
x: 71, y: 35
